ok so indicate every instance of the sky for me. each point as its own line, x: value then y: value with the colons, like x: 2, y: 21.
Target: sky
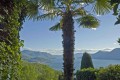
x: 36, y: 35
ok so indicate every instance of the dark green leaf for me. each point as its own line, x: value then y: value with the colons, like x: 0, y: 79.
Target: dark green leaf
x: 102, y: 7
x: 119, y: 40
x: 88, y: 21
x: 56, y: 27
x: 115, y: 9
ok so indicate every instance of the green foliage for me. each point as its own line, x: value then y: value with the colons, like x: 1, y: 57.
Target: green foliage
x: 10, y: 25
x: 88, y: 21
x: 36, y: 71
x: 116, y: 10
x: 50, y: 9
x: 86, y: 61
x: 9, y: 61
x: 55, y: 27
x: 86, y: 74
x: 115, y: 4
x: 87, y: 71
x: 102, y: 7
x: 112, y: 72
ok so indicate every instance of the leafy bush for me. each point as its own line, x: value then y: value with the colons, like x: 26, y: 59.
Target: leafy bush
x: 86, y: 74
x: 112, y: 72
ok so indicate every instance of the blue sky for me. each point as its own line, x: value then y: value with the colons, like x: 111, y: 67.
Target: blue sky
x: 36, y: 35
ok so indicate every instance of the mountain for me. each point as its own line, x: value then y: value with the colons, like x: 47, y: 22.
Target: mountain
x: 34, y: 54
x: 56, y: 61
x: 112, y: 55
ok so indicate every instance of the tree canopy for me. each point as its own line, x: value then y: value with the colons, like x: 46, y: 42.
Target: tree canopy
x: 86, y: 61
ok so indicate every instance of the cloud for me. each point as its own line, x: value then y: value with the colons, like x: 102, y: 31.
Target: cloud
x: 107, y: 49
x: 52, y: 51
x: 93, y: 28
x: 82, y: 3
x: 60, y: 51
x: 98, y: 15
x: 26, y: 48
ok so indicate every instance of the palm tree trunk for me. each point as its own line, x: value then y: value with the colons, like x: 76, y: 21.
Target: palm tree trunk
x: 68, y: 45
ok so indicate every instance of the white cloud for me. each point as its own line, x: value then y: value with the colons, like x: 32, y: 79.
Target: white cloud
x: 93, y: 28
x: 98, y: 15
x: 52, y: 51
x: 60, y: 51
x: 26, y: 48
x: 107, y: 49
x: 82, y: 3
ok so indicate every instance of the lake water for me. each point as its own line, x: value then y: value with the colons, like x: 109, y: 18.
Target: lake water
x: 98, y: 63
x: 58, y: 64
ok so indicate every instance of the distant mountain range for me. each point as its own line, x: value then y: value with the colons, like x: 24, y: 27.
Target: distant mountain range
x: 56, y: 61
x: 112, y: 55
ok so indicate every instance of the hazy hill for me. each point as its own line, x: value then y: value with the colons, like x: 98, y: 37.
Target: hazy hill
x: 56, y: 61
x: 112, y: 55
x: 34, y: 56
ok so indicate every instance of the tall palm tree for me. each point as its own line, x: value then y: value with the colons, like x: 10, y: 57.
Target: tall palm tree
x: 69, y: 11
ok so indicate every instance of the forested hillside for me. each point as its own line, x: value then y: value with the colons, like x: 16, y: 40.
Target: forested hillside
x: 35, y: 71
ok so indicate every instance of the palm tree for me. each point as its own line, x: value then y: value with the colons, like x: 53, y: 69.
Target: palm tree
x: 69, y: 11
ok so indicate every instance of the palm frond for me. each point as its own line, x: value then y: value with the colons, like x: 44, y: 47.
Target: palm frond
x: 82, y: 1
x: 79, y: 12
x: 88, y: 21
x: 102, y: 7
x: 56, y: 27
x: 47, y: 4
x: 118, y: 20
x: 115, y: 9
x: 46, y: 16
x: 32, y: 9
x: 35, y: 6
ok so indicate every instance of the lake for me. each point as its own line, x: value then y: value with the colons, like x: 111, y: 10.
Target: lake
x: 58, y: 64
x: 98, y: 63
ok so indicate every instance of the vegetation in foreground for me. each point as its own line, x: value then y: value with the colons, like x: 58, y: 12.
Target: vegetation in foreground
x: 87, y: 71
x: 112, y: 72
x: 36, y: 71
x: 11, y: 18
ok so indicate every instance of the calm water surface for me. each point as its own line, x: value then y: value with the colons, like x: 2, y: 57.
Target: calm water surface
x: 98, y: 63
